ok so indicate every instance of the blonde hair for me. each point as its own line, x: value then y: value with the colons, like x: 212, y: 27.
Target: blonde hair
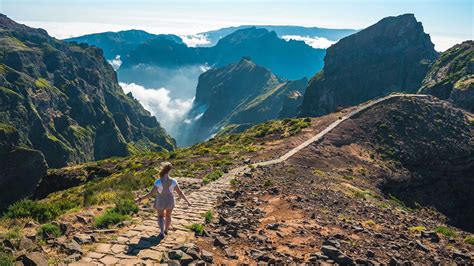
x: 165, y: 168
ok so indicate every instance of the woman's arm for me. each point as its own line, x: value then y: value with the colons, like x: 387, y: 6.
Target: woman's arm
x: 181, y: 195
x: 149, y: 194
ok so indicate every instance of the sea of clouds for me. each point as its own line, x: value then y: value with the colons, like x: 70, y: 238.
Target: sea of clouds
x: 195, y: 40
x: 170, y: 112
x: 315, y: 42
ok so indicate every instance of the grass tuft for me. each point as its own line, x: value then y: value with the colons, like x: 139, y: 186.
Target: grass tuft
x: 469, y: 239
x: 198, y: 229
x: 212, y: 176
x: 208, y: 216
x: 110, y: 218
x: 446, y: 231
x: 49, y: 230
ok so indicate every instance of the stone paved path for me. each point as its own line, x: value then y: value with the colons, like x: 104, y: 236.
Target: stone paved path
x: 140, y: 244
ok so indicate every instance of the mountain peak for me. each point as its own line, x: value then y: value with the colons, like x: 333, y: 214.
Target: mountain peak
x: 245, y: 34
x: 392, y: 55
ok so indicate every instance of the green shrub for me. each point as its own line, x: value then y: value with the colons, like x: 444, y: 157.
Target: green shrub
x: 41, y: 212
x: 268, y: 183
x: 125, y: 206
x: 446, y: 231
x: 208, y: 216
x: 394, y: 200
x: 109, y: 218
x: 88, y: 197
x: 469, y: 239
x: 234, y: 182
x: 49, y: 230
x: 212, y: 176
x: 13, y: 234
x: 6, y: 258
x: 198, y: 229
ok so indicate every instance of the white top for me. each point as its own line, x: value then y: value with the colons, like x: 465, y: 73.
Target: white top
x: 158, y: 184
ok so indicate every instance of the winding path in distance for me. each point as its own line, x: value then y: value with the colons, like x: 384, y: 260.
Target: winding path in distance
x: 139, y: 243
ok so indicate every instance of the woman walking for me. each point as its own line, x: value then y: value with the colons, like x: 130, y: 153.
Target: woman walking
x: 164, y: 202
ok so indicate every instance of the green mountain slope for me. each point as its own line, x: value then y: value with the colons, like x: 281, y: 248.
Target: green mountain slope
x: 452, y: 76
x: 239, y: 95
x: 61, y: 104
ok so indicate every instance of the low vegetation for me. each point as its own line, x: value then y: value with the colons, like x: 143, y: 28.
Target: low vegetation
x: 124, y: 207
x: 212, y: 176
x: 469, y: 239
x: 37, y: 210
x: 446, y: 231
x: 208, y: 216
x: 49, y: 230
x: 417, y: 229
x: 198, y: 229
x: 110, y: 218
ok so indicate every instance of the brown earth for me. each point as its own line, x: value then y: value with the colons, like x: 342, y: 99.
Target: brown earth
x: 338, y: 193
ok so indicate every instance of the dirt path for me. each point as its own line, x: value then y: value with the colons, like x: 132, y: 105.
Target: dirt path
x: 140, y: 245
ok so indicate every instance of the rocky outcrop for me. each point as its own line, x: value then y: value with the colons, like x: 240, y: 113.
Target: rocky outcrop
x: 241, y: 95
x: 288, y: 59
x: 61, y: 103
x: 452, y: 76
x: 392, y: 55
x: 291, y: 104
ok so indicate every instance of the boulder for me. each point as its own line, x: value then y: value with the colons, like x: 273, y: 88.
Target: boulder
x: 207, y: 256
x: 26, y: 244
x: 220, y: 242
x: 34, y: 259
x: 83, y: 239
x: 336, y: 255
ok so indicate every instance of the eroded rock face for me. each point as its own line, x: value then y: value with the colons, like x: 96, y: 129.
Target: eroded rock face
x: 392, y: 55
x: 238, y: 95
x: 60, y: 103
x: 452, y: 76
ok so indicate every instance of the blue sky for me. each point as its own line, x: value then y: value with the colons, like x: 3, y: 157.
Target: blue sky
x: 448, y: 22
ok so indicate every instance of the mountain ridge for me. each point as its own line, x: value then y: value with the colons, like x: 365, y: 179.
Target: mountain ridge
x: 289, y: 59
x: 61, y: 102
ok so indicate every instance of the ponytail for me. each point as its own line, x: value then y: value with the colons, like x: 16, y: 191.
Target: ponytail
x: 165, y: 168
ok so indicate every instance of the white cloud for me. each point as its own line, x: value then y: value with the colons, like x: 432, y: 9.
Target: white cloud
x: 443, y: 43
x: 195, y: 40
x: 315, y: 42
x: 168, y: 111
x: 116, y: 62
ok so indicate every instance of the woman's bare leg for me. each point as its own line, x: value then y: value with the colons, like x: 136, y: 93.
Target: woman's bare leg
x: 161, y: 221
x: 168, y: 219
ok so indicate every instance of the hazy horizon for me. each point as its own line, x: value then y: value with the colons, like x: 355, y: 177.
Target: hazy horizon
x: 447, y: 22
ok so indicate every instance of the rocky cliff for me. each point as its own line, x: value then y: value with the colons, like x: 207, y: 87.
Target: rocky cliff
x: 452, y: 76
x: 392, y: 55
x: 242, y: 93
x: 60, y: 103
